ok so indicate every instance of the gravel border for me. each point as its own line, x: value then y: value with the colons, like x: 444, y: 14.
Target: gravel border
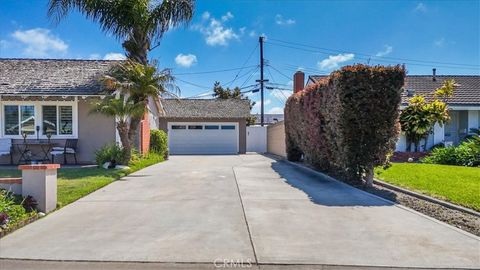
x: 459, y: 219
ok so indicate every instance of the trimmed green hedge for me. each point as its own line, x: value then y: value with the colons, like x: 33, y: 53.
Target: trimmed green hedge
x: 347, y: 123
x: 158, y: 141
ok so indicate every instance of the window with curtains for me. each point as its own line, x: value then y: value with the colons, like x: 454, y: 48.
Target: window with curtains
x: 56, y: 120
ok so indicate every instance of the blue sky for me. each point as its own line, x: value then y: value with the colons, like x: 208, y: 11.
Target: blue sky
x: 315, y: 36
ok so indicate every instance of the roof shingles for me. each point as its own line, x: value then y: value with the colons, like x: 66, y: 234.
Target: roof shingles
x: 52, y: 76
x: 206, y: 108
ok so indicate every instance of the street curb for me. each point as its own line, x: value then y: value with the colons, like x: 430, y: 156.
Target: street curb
x: 427, y: 198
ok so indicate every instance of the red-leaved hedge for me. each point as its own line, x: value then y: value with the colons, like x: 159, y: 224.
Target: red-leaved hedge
x: 347, y: 123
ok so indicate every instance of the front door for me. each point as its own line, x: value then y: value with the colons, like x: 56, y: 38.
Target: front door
x: 451, y: 128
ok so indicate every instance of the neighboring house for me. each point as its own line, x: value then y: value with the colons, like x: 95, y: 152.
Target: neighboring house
x: 205, y: 126
x: 464, y: 105
x: 54, y: 96
x: 268, y: 118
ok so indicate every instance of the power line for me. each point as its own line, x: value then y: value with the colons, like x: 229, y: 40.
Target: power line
x: 241, y: 76
x: 248, y: 58
x: 375, y: 58
x: 250, y: 77
x: 370, y: 55
x: 190, y: 83
x: 279, y: 72
x: 212, y: 71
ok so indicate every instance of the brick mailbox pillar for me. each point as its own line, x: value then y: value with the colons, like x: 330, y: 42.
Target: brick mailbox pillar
x: 40, y: 182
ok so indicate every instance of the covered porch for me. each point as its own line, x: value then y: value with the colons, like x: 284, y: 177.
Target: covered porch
x: 40, y: 123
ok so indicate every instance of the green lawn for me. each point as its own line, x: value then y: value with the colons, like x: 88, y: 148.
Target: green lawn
x: 459, y: 185
x: 75, y: 183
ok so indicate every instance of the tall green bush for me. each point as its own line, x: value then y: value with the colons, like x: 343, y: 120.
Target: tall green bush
x: 347, y: 123
x: 158, y: 141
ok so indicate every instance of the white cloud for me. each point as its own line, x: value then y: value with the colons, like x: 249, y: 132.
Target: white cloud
x: 252, y: 33
x: 114, y: 56
x: 206, y: 15
x: 387, y: 51
x: 420, y: 7
x: 282, y: 21
x: 94, y: 56
x: 275, y: 110
x: 259, y: 103
x: 227, y: 16
x: 40, y: 42
x: 215, y: 31
x: 186, y: 60
x: 439, y: 42
x: 334, y: 60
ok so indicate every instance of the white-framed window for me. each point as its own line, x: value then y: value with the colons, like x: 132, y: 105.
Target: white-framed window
x: 57, y: 118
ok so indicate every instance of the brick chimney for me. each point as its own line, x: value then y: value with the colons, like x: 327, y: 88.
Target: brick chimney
x: 298, y: 81
x: 434, y: 75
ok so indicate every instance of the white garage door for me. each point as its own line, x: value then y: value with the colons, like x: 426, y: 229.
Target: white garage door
x: 203, y: 138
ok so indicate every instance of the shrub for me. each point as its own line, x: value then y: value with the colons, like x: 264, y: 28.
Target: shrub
x: 11, y: 209
x: 110, y: 153
x: 347, y: 123
x: 158, y: 141
x: 466, y: 154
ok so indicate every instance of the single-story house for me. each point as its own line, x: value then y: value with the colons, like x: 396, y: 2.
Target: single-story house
x: 205, y: 126
x: 40, y: 97
x: 464, y: 105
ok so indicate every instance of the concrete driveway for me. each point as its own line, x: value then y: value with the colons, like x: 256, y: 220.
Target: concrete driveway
x: 197, y: 210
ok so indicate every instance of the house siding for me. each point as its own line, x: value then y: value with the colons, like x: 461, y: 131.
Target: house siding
x: 242, y: 123
x: 94, y: 131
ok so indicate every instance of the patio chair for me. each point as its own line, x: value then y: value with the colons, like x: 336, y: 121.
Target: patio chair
x: 70, y: 148
x: 6, y: 148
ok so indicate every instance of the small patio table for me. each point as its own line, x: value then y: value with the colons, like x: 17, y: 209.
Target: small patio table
x: 26, y: 153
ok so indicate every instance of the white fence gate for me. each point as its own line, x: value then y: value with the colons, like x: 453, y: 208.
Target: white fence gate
x: 257, y: 139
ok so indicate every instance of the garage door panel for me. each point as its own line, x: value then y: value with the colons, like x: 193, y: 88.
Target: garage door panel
x: 203, y: 141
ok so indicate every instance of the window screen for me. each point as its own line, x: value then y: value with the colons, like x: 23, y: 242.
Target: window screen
x: 27, y: 119
x: 11, y: 120
x: 66, y: 120
x: 49, y: 120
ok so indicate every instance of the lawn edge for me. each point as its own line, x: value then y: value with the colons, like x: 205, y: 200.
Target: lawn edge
x: 427, y: 198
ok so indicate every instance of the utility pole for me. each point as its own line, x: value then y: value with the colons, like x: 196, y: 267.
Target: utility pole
x: 260, y: 39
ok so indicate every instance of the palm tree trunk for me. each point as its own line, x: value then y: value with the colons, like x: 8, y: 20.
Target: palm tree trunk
x: 122, y: 128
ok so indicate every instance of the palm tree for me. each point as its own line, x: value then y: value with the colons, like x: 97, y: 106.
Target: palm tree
x: 122, y: 109
x: 137, y: 23
x: 125, y: 81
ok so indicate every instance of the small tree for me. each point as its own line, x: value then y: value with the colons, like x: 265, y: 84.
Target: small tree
x: 126, y: 81
x: 226, y: 93
x: 419, y: 117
